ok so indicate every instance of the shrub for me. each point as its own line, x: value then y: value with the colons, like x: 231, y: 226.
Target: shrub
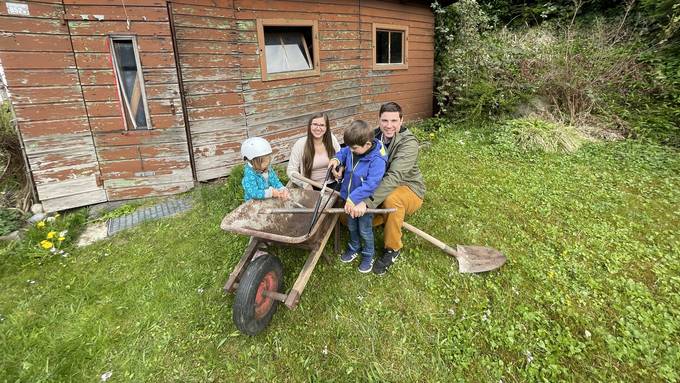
x: 10, y: 220
x: 535, y: 134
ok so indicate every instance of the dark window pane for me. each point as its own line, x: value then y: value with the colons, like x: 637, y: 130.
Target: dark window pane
x: 382, y: 47
x: 396, y: 47
x: 129, y: 81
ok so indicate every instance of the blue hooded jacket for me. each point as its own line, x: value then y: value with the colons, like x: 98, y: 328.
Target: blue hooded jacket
x: 361, y: 180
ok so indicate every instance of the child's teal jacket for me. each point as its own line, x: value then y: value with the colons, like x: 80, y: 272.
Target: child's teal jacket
x: 254, y: 184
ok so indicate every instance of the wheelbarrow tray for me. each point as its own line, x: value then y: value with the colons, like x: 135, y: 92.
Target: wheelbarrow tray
x: 248, y: 218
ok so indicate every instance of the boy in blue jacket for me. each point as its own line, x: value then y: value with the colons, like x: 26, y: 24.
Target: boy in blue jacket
x: 363, y: 161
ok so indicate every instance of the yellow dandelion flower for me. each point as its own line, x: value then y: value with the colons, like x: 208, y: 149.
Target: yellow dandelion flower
x: 61, y: 239
x: 57, y: 215
x: 51, y: 234
x: 46, y: 244
x: 41, y: 224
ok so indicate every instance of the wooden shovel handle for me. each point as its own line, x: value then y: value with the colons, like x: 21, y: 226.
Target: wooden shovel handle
x: 446, y: 248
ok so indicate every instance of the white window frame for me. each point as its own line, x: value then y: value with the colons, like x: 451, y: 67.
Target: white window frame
x: 140, y: 76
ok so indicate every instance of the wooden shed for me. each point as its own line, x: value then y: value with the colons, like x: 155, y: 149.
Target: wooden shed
x: 119, y: 99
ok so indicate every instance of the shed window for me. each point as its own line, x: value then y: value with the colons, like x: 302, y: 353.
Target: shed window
x: 130, y: 82
x: 390, y: 45
x: 288, y: 48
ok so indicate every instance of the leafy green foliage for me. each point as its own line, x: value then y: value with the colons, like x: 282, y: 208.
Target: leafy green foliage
x: 589, y: 292
x: 10, y: 220
x: 536, y: 134
x: 604, y: 76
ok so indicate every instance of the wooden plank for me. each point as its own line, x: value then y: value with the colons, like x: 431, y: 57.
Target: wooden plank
x: 97, y: 77
x: 138, y: 137
x: 99, y: 44
x: 206, y: 47
x: 42, y: 95
x: 167, y: 121
x: 47, y: 77
x: 310, y: 99
x: 209, y: 87
x: 403, y: 13
x: 225, y: 11
x: 148, y: 191
x: 213, y: 113
x: 93, y: 60
x: 83, y: 184
x: 35, y: 43
x: 143, y: 151
x: 145, y: 3
x: 205, y: 21
x: 105, y: 28
x: 107, y: 124
x: 37, y: 60
x: 302, y: 111
x: 160, y: 76
x: 209, y: 61
x: 231, y: 124
x: 67, y: 111
x: 114, y: 11
x: 301, y: 90
x: 210, y: 74
x: 221, y: 99
x: 32, y: 130
x: 89, y: 197
x: 13, y: 24
x: 157, y: 60
x: 205, y: 34
x: 128, y: 181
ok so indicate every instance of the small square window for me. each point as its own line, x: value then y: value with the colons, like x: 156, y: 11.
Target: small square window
x: 130, y: 82
x: 288, y: 48
x: 390, y: 46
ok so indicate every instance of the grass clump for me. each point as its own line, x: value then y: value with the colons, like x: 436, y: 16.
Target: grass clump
x: 531, y: 133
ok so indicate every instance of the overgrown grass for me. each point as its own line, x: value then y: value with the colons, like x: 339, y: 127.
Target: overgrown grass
x: 589, y: 291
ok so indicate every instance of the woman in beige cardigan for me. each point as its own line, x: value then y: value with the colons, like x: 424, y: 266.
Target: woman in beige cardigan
x: 310, y: 155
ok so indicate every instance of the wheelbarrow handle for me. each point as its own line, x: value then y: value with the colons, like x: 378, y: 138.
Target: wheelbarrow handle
x: 333, y: 210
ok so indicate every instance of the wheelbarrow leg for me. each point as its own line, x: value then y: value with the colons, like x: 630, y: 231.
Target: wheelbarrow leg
x: 293, y: 297
x: 240, y: 267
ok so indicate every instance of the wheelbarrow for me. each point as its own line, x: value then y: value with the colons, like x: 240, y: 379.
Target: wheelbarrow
x: 257, y: 279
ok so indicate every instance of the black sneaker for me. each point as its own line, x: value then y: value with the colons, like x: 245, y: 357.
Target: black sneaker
x: 381, y: 265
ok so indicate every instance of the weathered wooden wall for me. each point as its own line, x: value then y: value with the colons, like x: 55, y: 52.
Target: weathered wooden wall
x: 143, y: 162
x: 411, y: 88
x: 208, y: 45
x: 40, y: 68
x: 60, y: 75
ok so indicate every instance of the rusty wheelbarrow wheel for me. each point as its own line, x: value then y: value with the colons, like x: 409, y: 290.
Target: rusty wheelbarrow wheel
x: 253, y: 310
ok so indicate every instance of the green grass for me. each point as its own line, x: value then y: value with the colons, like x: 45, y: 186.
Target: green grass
x: 590, y: 290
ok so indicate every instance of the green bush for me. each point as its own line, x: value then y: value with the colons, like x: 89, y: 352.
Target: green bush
x: 535, y: 134
x: 10, y: 220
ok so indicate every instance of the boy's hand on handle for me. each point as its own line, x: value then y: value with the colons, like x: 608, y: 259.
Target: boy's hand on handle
x: 337, y: 171
x: 358, y: 210
x: 348, y: 209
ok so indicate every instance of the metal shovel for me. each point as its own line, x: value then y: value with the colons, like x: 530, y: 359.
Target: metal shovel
x: 471, y: 259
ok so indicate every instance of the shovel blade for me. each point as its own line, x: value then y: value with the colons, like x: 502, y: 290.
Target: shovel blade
x: 478, y: 259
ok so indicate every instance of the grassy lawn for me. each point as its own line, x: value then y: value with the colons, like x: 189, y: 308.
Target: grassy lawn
x: 590, y: 290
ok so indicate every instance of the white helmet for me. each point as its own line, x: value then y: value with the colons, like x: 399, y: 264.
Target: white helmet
x: 255, y: 147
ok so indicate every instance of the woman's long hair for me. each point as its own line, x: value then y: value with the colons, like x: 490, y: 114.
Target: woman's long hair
x: 308, y: 155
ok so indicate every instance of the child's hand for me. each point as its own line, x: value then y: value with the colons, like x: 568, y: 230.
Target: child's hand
x: 282, y: 193
x: 348, y: 208
x: 338, y: 173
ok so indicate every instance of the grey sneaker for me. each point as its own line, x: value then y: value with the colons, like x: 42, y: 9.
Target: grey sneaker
x: 383, y: 264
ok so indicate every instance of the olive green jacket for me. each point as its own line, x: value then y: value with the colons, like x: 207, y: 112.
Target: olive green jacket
x: 402, y: 168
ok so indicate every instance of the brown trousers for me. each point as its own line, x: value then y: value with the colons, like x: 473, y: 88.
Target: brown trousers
x: 406, y: 202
